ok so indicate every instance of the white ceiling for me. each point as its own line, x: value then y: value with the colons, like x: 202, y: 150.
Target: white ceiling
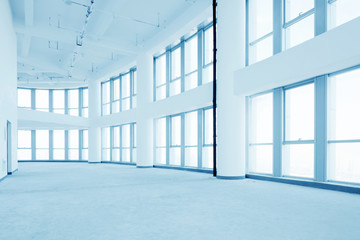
x: 116, y: 32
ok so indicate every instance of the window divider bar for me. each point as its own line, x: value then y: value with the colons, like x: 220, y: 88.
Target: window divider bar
x: 260, y: 39
x: 320, y: 17
x: 277, y: 26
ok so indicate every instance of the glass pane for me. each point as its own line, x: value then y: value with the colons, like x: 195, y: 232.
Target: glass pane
x: 125, y: 135
x: 191, y: 128
x: 116, y: 89
x: 85, y: 154
x: 299, y: 113
x: 175, y: 156
x: 105, y: 137
x: 260, y: 18
x: 116, y: 136
x: 42, y: 139
x: 342, y: 11
x: 85, y: 138
x: 134, y: 135
x: 207, y: 157
x: 59, y: 99
x: 160, y: 157
x: 191, y: 81
x: 73, y: 98
x: 125, y: 155
x: 105, y: 92
x: 24, y: 98
x: 24, y: 139
x: 298, y: 160
x: 191, y: 156
x: 59, y: 154
x: 176, y: 131
x: 208, y: 45
x: 42, y: 100
x: 176, y: 63
x: 74, y: 112
x: 344, y: 117
x: 208, y: 128
x: 85, y: 112
x: 42, y: 154
x: 191, y: 54
x: 59, y: 139
x: 300, y: 32
x: 161, y: 132
x: 125, y: 85
x: 261, y: 119
x: 344, y: 164
x: 160, y: 64
x: 125, y: 104
x: 261, y: 50
x: 261, y: 159
x: 208, y: 74
x: 134, y: 155
x: 106, y: 155
x: 73, y: 154
x: 161, y: 93
x: 24, y: 154
x: 85, y: 97
x: 116, y: 106
x: 135, y: 83
x: 175, y: 87
x: 295, y: 8
x: 74, y: 139
x: 106, y: 109
x: 60, y: 111
x: 116, y: 155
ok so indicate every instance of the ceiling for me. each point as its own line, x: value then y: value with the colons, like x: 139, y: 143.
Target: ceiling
x: 64, y: 41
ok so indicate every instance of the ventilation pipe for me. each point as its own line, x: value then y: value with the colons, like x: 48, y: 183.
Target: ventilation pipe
x: 214, y: 88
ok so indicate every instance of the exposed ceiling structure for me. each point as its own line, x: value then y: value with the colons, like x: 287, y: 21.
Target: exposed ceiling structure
x: 65, y: 41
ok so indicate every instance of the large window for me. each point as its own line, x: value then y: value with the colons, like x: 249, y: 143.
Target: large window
x: 42, y: 100
x: 24, y: 151
x: 73, y: 102
x: 85, y: 103
x: 73, y: 141
x: 185, y: 139
x: 344, y: 130
x: 191, y: 62
x: 119, y: 94
x: 208, y: 55
x: 298, y: 149
x: 299, y: 22
x: 260, y: 33
x: 59, y: 145
x: 342, y: 11
x: 160, y: 76
x: 42, y: 144
x: 24, y: 98
x: 84, y: 145
x: 260, y: 151
x: 175, y: 71
x: 59, y: 101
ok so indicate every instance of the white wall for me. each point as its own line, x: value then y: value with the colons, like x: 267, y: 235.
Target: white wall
x: 8, y: 86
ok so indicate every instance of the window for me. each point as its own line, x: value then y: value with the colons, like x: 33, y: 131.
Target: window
x: 175, y: 140
x: 85, y: 145
x: 125, y: 92
x: 343, y: 127
x: 105, y: 142
x: 134, y: 89
x: 42, y: 144
x: 207, y: 149
x: 191, y: 62
x: 191, y: 139
x: 134, y: 152
x: 125, y: 143
x: 59, y: 145
x: 85, y: 103
x: 24, y: 145
x: 116, y: 144
x: 160, y: 141
x: 73, y: 139
x: 342, y: 11
x: 24, y: 98
x: 73, y: 102
x: 59, y: 101
x: 105, y: 90
x: 116, y: 96
x: 298, y: 149
x: 260, y: 138
x: 42, y: 100
x: 260, y: 33
x: 160, y: 76
x: 207, y: 75
x: 175, y: 71
x: 299, y: 22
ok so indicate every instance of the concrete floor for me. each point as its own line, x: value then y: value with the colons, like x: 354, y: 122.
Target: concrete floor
x: 103, y: 201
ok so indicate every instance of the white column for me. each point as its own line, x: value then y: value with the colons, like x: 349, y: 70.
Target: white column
x: 231, y: 108
x: 94, y: 114
x: 144, y: 123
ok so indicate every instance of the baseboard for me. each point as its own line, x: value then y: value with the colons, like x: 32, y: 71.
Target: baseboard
x: 184, y: 169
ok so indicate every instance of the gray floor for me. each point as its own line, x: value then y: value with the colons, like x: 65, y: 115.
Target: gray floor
x: 100, y: 201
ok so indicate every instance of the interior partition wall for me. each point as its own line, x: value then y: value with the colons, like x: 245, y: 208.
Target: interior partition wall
x: 118, y: 143
x: 184, y: 139
x: 52, y: 145
x: 308, y: 130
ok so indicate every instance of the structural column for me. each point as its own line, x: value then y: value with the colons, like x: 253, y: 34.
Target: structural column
x: 231, y: 108
x: 145, y: 126
x: 94, y: 115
